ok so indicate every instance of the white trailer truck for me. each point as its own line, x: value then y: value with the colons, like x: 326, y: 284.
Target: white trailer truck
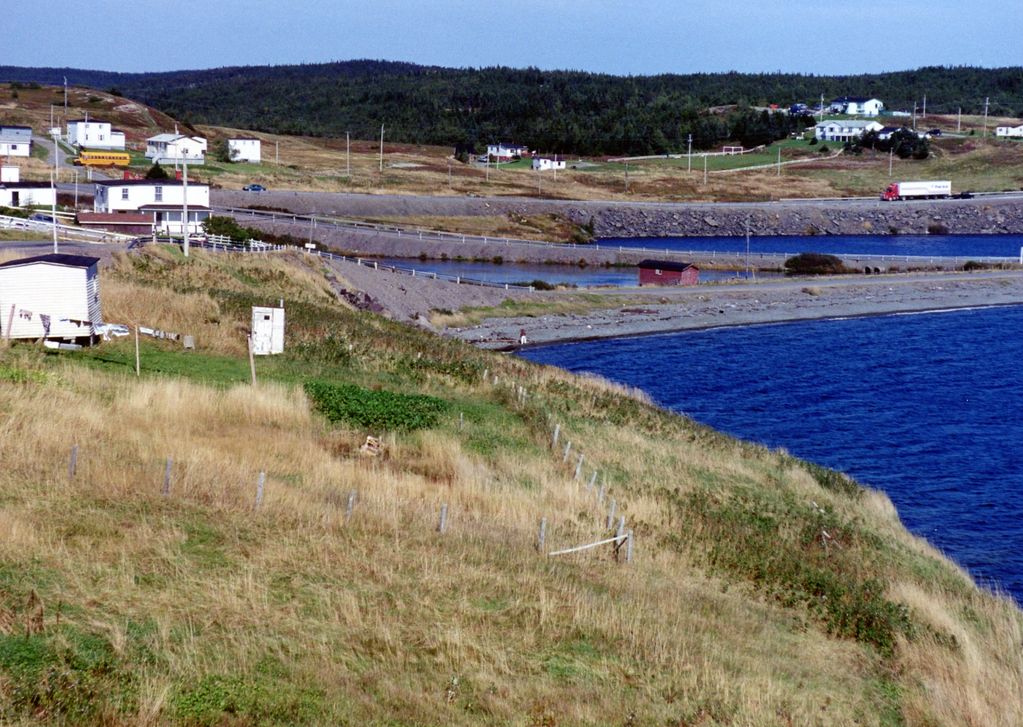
x: 917, y: 190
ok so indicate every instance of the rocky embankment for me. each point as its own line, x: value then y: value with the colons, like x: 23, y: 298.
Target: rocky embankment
x: 995, y: 215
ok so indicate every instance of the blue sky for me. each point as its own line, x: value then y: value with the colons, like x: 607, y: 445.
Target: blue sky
x: 639, y: 37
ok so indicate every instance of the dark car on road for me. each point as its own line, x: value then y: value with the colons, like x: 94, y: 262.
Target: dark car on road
x: 253, y: 188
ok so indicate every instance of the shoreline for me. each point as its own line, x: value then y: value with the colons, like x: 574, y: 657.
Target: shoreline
x: 779, y: 322
x: 644, y: 311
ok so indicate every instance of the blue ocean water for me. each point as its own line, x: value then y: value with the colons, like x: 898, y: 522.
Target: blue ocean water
x: 927, y: 407
x: 927, y: 245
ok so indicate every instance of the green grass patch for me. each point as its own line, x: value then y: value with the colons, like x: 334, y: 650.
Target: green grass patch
x: 377, y: 410
x: 218, y: 699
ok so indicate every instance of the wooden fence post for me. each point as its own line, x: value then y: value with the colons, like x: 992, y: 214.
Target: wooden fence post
x: 252, y: 361
x: 611, y: 514
x: 600, y: 493
x: 579, y: 467
x: 461, y: 421
x: 541, y: 535
x: 628, y: 547
x: 443, y: 524
x: 618, y: 534
x: 72, y: 465
x: 593, y: 480
x: 167, y: 477
x: 350, y: 507
x: 568, y: 450
x: 554, y: 439
x: 259, y: 489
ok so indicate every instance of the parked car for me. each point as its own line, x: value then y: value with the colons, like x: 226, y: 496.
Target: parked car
x: 934, y: 132
x: 253, y: 188
x: 40, y: 217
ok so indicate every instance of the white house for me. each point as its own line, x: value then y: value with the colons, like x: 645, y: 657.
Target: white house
x: 51, y: 296
x: 1009, y: 132
x: 175, y: 148
x: 93, y: 134
x: 244, y: 149
x: 26, y: 194
x: 15, y: 141
x: 543, y: 163
x: 857, y: 106
x: 162, y: 199
x: 10, y: 174
x: 844, y: 130
x: 506, y: 151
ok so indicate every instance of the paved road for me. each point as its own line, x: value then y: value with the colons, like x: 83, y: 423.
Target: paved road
x: 65, y: 164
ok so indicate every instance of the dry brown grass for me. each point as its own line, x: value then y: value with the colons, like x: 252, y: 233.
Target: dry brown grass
x: 383, y: 619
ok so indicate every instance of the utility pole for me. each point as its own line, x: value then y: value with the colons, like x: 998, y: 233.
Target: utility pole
x: 53, y: 190
x: 747, y: 247
x: 184, y: 203
x: 891, y: 158
x: 539, y: 190
x: 779, y: 161
x: 689, y: 153
x: 626, y: 176
x: 705, y: 169
x: 65, y: 96
x: 914, y: 116
x: 959, y: 121
x: 381, y: 148
x: 348, y: 155
x: 822, y: 108
x: 924, y: 114
x: 986, y: 99
x: 277, y: 153
x: 449, y: 174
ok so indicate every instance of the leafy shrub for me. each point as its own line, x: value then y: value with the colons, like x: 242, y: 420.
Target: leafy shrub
x: 975, y: 265
x: 378, y: 410
x: 814, y: 263
x: 217, y: 700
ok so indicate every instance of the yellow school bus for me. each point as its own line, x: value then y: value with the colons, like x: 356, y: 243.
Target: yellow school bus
x: 103, y: 159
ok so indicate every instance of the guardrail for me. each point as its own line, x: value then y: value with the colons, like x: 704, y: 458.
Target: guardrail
x: 317, y: 221
x: 66, y: 232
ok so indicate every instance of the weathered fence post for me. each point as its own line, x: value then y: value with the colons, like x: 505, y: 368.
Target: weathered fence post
x: 554, y: 439
x: 611, y: 514
x: 541, y: 535
x: 628, y: 547
x: 72, y: 465
x: 600, y: 493
x: 593, y: 480
x: 568, y: 449
x: 350, y: 507
x: 461, y: 421
x: 579, y: 467
x: 259, y: 489
x: 618, y: 536
x: 443, y: 524
x: 167, y: 477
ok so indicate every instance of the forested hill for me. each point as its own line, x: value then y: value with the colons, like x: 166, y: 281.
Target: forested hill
x: 564, y: 111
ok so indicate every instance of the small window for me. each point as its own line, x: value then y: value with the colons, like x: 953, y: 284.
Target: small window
x: 124, y: 193
x: 266, y: 317
x: 158, y: 194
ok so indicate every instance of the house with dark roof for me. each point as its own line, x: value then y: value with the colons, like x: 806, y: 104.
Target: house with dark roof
x: 15, y: 141
x: 667, y: 272
x: 161, y: 199
x: 54, y: 296
x: 26, y: 194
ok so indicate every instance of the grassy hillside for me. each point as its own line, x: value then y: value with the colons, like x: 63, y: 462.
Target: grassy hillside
x: 122, y: 605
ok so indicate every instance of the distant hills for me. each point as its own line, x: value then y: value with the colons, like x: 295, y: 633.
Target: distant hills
x: 556, y: 111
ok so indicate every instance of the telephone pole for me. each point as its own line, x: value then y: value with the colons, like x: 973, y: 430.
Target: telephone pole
x: 959, y: 121
x: 348, y: 155
x: 381, y: 148
x: 924, y: 114
x: 689, y: 154
x: 184, y: 203
x: 986, y: 100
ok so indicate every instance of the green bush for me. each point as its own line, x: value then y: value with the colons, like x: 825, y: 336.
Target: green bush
x: 377, y: 410
x: 814, y: 263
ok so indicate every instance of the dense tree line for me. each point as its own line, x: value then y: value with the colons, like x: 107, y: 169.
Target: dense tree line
x: 553, y: 111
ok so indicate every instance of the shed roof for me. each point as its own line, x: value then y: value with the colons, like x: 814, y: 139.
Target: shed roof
x: 114, y: 218
x: 664, y: 265
x: 26, y: 185
x: 14, y: 126
x: 71, y: 261
x: 146, y: 182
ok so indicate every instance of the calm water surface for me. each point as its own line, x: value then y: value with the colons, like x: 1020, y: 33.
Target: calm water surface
x: 927, y: 407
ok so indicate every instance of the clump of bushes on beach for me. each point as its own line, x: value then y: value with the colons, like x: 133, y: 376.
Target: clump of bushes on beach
x: 814, y: 263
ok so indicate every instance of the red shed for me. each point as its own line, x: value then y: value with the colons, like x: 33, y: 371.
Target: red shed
x: 667, y: 272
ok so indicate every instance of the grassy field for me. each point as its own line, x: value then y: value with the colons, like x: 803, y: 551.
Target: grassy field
x: 121, y: 605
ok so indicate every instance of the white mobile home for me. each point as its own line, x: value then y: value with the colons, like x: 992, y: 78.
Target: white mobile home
x: 49, y: 296
x: 161, y: 199
x: 542, y: 164
x: 26, y: 194
x: 506, y: 151
x: 15, y: 141
x: 93, y: 134
x: 175, y: 148
x: 267, y: 330
x: 857, y: 106
x: 1009, y: 132
x: 244, y: 149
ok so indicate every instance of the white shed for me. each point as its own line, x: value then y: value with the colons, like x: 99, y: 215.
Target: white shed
x: 267, y: 330
x: 244, y: 149
x: 49, y: 296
